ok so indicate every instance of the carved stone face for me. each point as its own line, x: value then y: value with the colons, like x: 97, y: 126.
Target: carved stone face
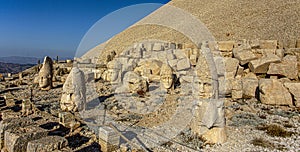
x: 74, y: 90
x: 112, y: 75
x: 204, y: 89
x: 45, y: 81
x: 46, y: 74
x: 166, y: 76
x: 167, y: 80
x: 135, y: 83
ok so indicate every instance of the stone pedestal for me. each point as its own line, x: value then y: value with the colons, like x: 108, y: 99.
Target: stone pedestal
x: 108, y: 139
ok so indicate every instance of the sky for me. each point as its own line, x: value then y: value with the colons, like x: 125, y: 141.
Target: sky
x: 36, y: 28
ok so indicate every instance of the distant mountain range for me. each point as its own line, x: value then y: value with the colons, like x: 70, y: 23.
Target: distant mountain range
x: 13, y: 67
x: 25, y: 60
x: 20, y: 60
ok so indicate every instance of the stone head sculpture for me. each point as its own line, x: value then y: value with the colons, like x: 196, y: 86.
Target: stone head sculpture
x: 46, y: 74
x: 74, y: 91
x: 166, y: 77
x: 112, y: 72
x: 135, y: 83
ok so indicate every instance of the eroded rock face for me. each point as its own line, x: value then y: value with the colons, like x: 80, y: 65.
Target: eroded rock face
x: 273, y: 92
x: 46, y: 74
x: 166, y: 77
x: 74, y: 91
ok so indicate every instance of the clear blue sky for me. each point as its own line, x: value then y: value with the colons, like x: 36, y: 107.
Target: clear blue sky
x: 55, y: 27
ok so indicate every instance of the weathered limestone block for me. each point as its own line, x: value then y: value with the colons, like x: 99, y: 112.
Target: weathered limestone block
x: 231, y: 67
x: 68, y: 120
x: 183, y: 64
x: 294, y: 89
x: 261, y: 65
x: 225, y: 45
x: 237, y: 89
x: 12, y: 123
x: 27, y: 107
x: 108, y: 139
x: 244, y: 56
x: 179, y: 54
x: 273, y: 92
x: 46, y: 74
x: 9, y: 100
x: 157, y: 47
x: 74, y: 91
x: 254, y: 44
x: 250, y: 86
x: 16, y: 140
x: 50, y: 143
x: 216, y: 135
x: 268, y: 44
x: 288, y: 67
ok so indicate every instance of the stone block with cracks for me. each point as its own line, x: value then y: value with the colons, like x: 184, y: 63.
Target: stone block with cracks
x: 49, y: 143
x: 16, y: 140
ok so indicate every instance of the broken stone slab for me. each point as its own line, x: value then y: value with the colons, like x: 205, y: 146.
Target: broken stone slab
x: 12, y: 123
x: 273, y: 92
x: 108, y: 139
x: 244, y: 56
x: 288, y: 67
x: 294, y: 89
x: 268, y: 44
x: 50, y: 143
x: 261, y: 65
x: 16, y: 140
x: 183, y: 64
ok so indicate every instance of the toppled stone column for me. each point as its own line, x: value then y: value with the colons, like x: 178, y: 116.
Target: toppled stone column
x: 46, y: 74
